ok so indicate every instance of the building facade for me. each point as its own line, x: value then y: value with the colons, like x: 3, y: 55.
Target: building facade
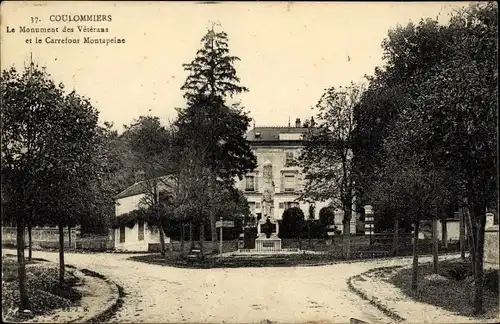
x: 136, y: 235
x: 280, y: 146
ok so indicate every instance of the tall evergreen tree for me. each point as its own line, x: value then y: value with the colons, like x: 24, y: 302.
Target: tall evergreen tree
x: 212, y: 72
x: 213, y: 127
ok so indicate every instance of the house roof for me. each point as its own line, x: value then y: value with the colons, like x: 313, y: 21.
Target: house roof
x: 272, y: 133
x: 137, y: 188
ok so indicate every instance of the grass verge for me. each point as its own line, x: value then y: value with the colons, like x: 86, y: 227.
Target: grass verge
x: 44, y: 291
x: 454, y: 292
x: 174, y: 259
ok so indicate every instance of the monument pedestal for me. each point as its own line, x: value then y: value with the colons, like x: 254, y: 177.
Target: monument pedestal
x: 268, y: 240
x: 271, y: 244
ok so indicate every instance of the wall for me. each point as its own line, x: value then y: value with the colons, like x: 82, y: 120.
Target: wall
x: 277, y: 156
x: 491, y: 252
x: 127, y: 204
x: 41, y: 235
x: 453, y: 230
x: 132, y: 243
x: 48, y: 237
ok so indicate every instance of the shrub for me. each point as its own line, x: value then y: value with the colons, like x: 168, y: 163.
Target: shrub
x: 456, y: 271
x: 327, y: 216
x: 491, y: 280
x: 292, y: 223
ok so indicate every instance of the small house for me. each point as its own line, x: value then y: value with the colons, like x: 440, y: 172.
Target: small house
x: 132, y: 228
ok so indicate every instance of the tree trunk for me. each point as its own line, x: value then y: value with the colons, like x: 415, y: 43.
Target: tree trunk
x: 162, y: 240
x: 30, y: 240
x: 182, y: 238
x: 299, y: 241
x: 471, y: 231
x: 462, y: 233
x: 202, y: 240
x: 61, y: 254
x: 395, y: 242
x: 309, y: 231
x: 213, y: 228
x: 21, y: 269
x: 69, y: 237
x: 213, y: 231
x: 191, y: 237
x: 444, y: 227
x: 414, y: 277
x: 479, y: 214
x: 435, y: 241
x: 346, y: 236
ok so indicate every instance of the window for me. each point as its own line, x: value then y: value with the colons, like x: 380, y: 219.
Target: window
x: 250, y: 183
x: 281, y: 205
x: 289, y: 183
x: 290, y: 136
x: 290, y: 204
x: 257, y: 205
x: 122, y: 234
x: 141, y: 231
x: 289, y: 159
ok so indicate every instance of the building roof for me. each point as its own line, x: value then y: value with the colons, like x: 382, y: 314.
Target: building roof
x: 272, y: 133
x: 137, y: 188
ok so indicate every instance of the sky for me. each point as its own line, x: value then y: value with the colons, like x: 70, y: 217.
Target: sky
x: 290, y: 52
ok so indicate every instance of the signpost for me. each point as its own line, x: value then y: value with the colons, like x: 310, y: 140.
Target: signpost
x: 369, y: 222
x: 221, y: 224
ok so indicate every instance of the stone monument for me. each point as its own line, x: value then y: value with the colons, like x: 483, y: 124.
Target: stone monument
x: 268, y: 228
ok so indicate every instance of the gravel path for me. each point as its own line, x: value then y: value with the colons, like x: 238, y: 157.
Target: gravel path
x: 244, y: 295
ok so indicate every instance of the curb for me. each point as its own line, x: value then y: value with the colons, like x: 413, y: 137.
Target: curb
x: 111, y: 306
x: 380, y: 306
x: 399, y: 257
x: 383, y: 308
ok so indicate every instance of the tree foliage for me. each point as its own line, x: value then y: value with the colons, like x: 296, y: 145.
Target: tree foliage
x: 327, y: 156
x: 212, y: 72
x: 209, y: 125
x: 293, y: 220
x: 440, y: 132
x: 51, y: 156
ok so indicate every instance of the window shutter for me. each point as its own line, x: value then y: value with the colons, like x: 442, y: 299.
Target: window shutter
x: 256, y: 182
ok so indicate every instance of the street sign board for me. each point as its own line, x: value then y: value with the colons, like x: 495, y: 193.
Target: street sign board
x: 224, y: 224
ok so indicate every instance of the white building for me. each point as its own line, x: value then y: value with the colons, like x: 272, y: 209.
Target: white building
x: 281, y: 147
x: 134, y: 235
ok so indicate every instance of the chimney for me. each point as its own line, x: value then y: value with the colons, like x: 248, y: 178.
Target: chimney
x: 297, y: 122
x: 140, y: 176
